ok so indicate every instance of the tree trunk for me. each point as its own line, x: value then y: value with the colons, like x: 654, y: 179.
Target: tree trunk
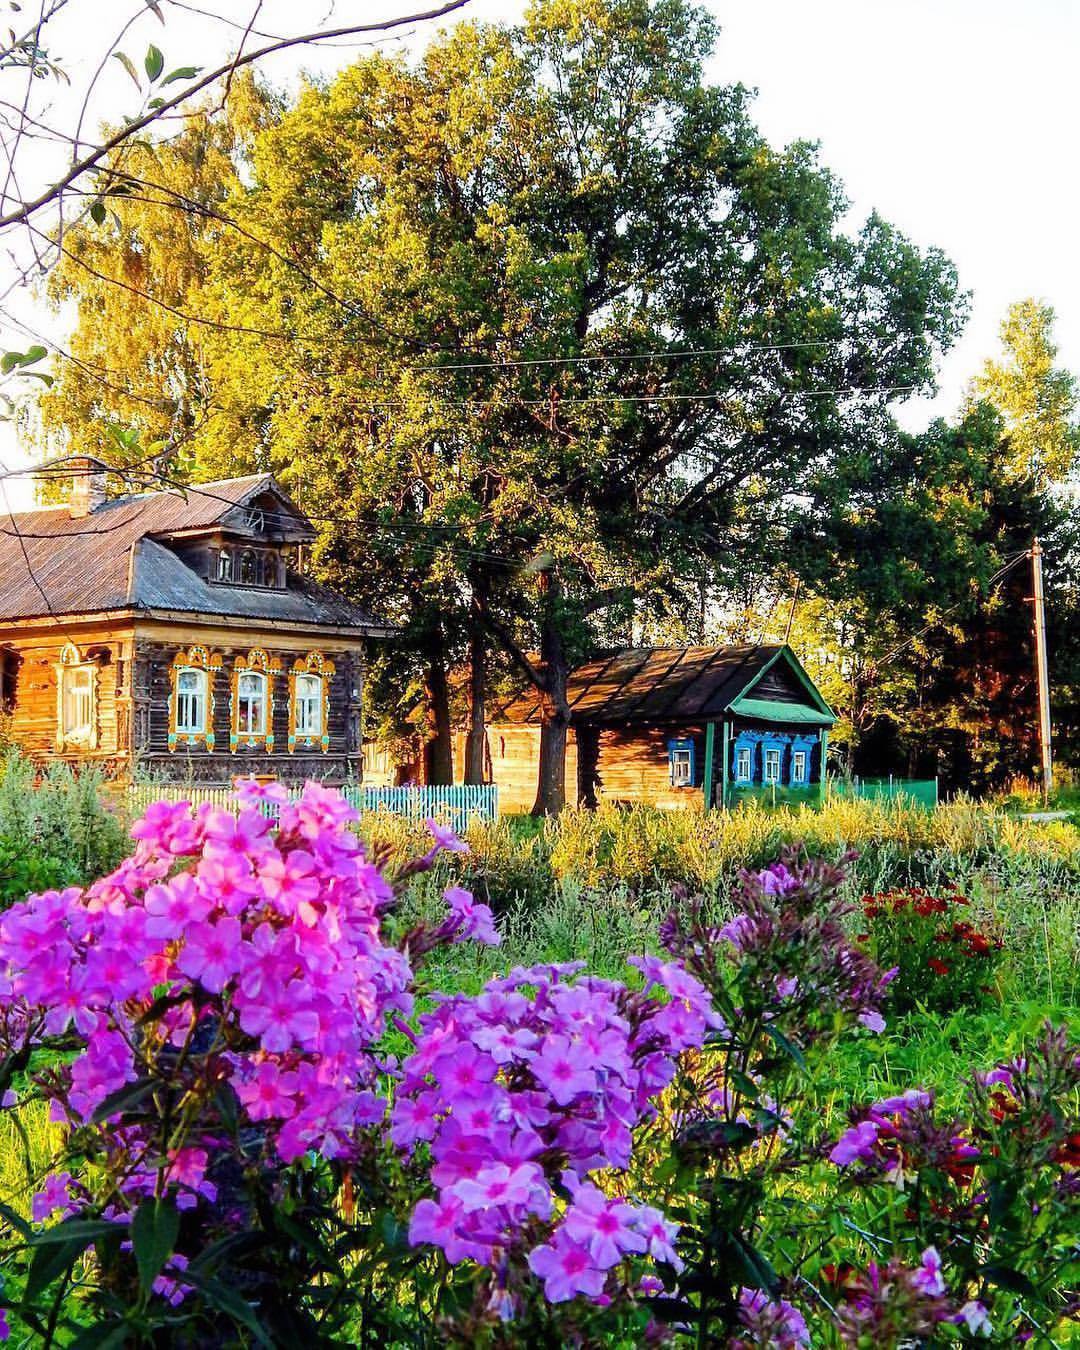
x: 439, y: 747
x: 474, y: 744
x: 551, y: 777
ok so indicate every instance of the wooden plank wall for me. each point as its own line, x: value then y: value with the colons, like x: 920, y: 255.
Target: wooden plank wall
x: 632, y: 765
x: 33, y: 716
x: 195, y: 764
x: 515, y: 757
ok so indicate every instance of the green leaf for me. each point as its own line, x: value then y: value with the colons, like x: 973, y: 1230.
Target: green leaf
x: 35, y: 353
x: 73, y: 1230
x: 9, y: 361
x: 154, y: 1231
x: 16, y: 1220
x: 98, y: 213
x: 789, y: 1047
x: 123, y: 1099
x: 154, y: 62
x: 181, y: 73
x: 57, y: 1250
x: 129, y: 66
x: 102, y: 1336
x: 229, y: 1302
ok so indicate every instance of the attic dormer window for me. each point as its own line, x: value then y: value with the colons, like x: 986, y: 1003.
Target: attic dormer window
x: 224, y: 565
x: 249, y: 568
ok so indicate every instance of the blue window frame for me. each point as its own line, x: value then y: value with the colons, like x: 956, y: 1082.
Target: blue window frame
x: 772, y: 759
x: 801, y: 760
x: 742, y: 760
x: 681, y: 763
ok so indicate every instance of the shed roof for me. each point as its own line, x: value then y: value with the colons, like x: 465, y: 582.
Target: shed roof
x: 678, y: 684
x: 112, y: 559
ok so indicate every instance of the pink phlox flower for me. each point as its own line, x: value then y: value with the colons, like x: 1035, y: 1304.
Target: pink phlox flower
x: 520, y: 1188
x: 213, y: 953
x: 682, y: 1027
x: 856, y: 1144
x: 323, y: 811
x: 445, y: 838
x: 115, y: 974
x: 776, y: 1324
x: 103, y: 1067
x: 250, y: 792
x: 228, y: 881
x: 289, y: 881
x: 167, y: 827
x: 562, y: 1069
x: 607, y: 1228
x: 566, y: 1268
x: 659, y: 1234
x: 481, y: 1113
x: 187, y: 1169
x: 476, y: 920
x: 54, y: 1195
x: 173, y: 906
x: 269, y: 1092
x: 282, y: 1018
x: 226, y: 834
x: 928, y: 1279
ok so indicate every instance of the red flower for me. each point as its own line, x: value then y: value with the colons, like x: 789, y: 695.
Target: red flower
x: 1069, y: 1152
x: 938, y: 967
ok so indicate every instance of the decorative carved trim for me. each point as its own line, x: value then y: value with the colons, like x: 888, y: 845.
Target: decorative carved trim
x: 195, y: 658
x: 256, y: 660
x: 70, y: 661
x: 312, y: 664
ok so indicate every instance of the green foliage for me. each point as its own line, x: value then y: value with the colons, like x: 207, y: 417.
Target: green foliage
x: 56, y: 827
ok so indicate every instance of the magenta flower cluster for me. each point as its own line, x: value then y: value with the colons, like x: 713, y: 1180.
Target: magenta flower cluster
x: 224, y: 954
x: 523, y: 1092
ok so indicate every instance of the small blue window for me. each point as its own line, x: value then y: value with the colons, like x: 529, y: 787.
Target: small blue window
x: 681, y: 763
x: 743, y: 765
x: 802, y: 749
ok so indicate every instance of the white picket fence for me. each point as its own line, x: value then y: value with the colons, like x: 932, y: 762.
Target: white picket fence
x: 457, y: 805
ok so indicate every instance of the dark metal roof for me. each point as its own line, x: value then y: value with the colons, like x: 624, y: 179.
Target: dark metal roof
x: 657, y: 684
x: 112, y: 559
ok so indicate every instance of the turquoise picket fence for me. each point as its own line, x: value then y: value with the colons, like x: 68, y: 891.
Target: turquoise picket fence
x: 457, y: 805
x: 911, y: 791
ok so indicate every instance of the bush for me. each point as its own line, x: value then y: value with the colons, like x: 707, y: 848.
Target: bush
x: 55, y: 827
x: 264, y: 1144
x: 942, y: 959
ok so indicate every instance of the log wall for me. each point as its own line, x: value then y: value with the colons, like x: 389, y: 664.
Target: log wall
x: 633, y: 765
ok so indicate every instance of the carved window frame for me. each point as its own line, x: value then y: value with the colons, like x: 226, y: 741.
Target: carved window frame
x: 258, y: 661
x: 71, y: 661
x: 318, y: 665
x: 209, y: 663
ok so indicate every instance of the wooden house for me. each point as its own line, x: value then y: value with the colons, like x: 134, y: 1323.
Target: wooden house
x: 673, y: 726
x: 175, y: 631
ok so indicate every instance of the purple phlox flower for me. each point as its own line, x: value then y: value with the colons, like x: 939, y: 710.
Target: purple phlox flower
x: 911, y: 1100
x: 504, y: 1043
x: 774, y: 1323
x: 463, y: 1072
x: 976, y: 1317
x: 172, y: 1289
x: 739, y: 931
x: 477, y: 921
x: 54, y: 1195
x: 445, y: 837
x: 606, y: 1228
x: 928, y: 1278
x: 436, y: 1222
x: 872, y: 1020
x: 856, y: 1144
x: 5, y: 1330
x: 659, y: 1234
x: 213, y: 953
x: 414, y: 1118
x: 566, y: 1269
x: 777, y: 880
x: 563, y: 1070
x: 787, y: 986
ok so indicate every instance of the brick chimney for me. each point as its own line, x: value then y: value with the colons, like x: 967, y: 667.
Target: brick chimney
x: 87, y: 485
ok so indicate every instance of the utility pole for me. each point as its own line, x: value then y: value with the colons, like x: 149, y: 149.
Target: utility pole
x: 1041, y: 669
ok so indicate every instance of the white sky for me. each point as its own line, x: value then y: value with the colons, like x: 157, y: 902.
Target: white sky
x: 956, y: 119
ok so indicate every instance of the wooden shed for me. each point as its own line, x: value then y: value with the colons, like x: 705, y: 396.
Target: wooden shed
x: 177, y: 632
x: 674, y: 726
